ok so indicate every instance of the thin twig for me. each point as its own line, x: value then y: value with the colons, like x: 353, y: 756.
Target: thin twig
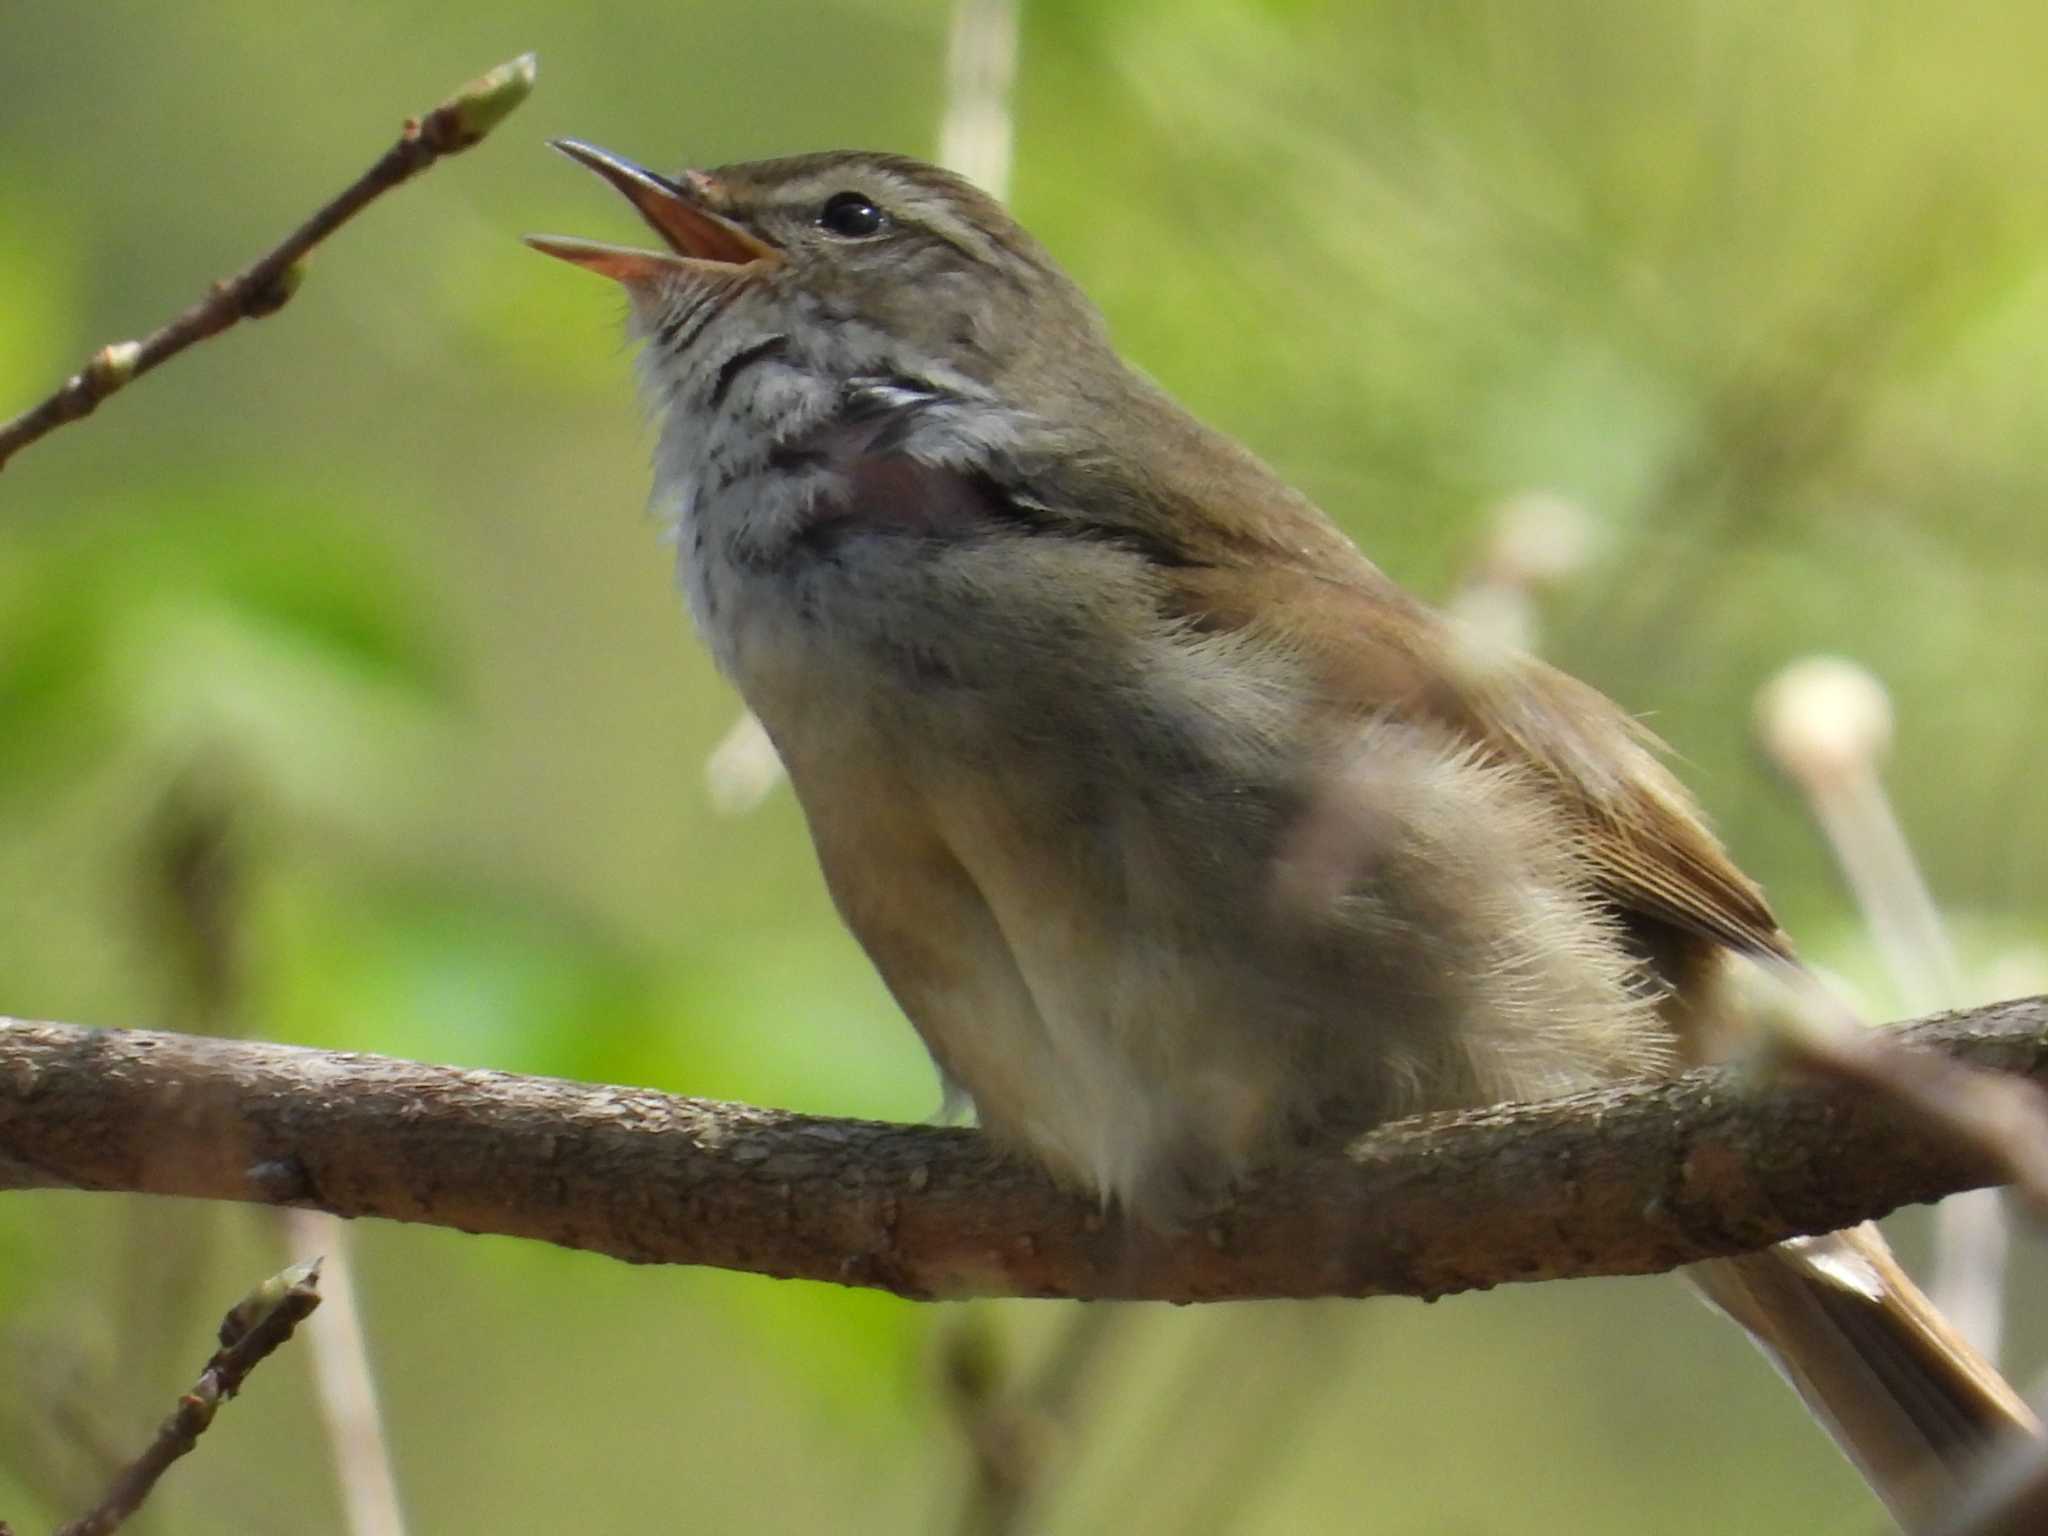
x: 264, y: 286
x: 1634, y: 1179
x: 253, y: 1328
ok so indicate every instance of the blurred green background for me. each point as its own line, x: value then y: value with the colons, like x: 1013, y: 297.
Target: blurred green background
x: 344, y: 698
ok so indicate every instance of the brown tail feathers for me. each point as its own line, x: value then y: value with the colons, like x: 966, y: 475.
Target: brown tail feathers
x: 1905, y: 1396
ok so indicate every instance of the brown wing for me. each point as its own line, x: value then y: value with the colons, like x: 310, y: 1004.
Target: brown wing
x: 1381, y: 651
x: 1280, y: 567
x: 1644, y: 836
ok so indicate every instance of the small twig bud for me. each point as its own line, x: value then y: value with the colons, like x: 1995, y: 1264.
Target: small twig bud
x: 266, y: 284
x: 265, y: 1298
x: 488, y: 100
x: 273, y: 296
x: 253, y: 1328
x: 111, y: 367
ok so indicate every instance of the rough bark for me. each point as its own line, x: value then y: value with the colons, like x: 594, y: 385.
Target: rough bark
x: 1631, y: 1180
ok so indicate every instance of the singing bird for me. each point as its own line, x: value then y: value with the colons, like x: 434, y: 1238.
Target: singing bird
x: 1178, y: 830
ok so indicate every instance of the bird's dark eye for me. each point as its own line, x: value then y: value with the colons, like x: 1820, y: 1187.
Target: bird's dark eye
x: 852, y: 216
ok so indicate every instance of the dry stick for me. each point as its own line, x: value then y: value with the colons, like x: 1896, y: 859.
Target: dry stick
x: 255, y: 1326
x: 263, y: 287
x: 1635, y: 1179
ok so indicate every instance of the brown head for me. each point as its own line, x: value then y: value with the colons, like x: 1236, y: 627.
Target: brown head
x: 903, y: 249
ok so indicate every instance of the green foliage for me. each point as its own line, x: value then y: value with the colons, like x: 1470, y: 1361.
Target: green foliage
x: 201, y: 616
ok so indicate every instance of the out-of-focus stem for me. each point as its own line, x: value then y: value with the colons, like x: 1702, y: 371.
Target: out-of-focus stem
x: 976, y: 133
x: 1827, y: 723
x: 342, y: 1382
x: 976, y: 138
x: 1536, y: 543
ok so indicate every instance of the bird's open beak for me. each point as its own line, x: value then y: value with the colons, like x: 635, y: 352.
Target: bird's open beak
x: 674, y: 210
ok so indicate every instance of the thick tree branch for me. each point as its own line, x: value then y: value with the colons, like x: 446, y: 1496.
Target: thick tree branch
x: 1626, y: 1181
x: 264, y: 286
